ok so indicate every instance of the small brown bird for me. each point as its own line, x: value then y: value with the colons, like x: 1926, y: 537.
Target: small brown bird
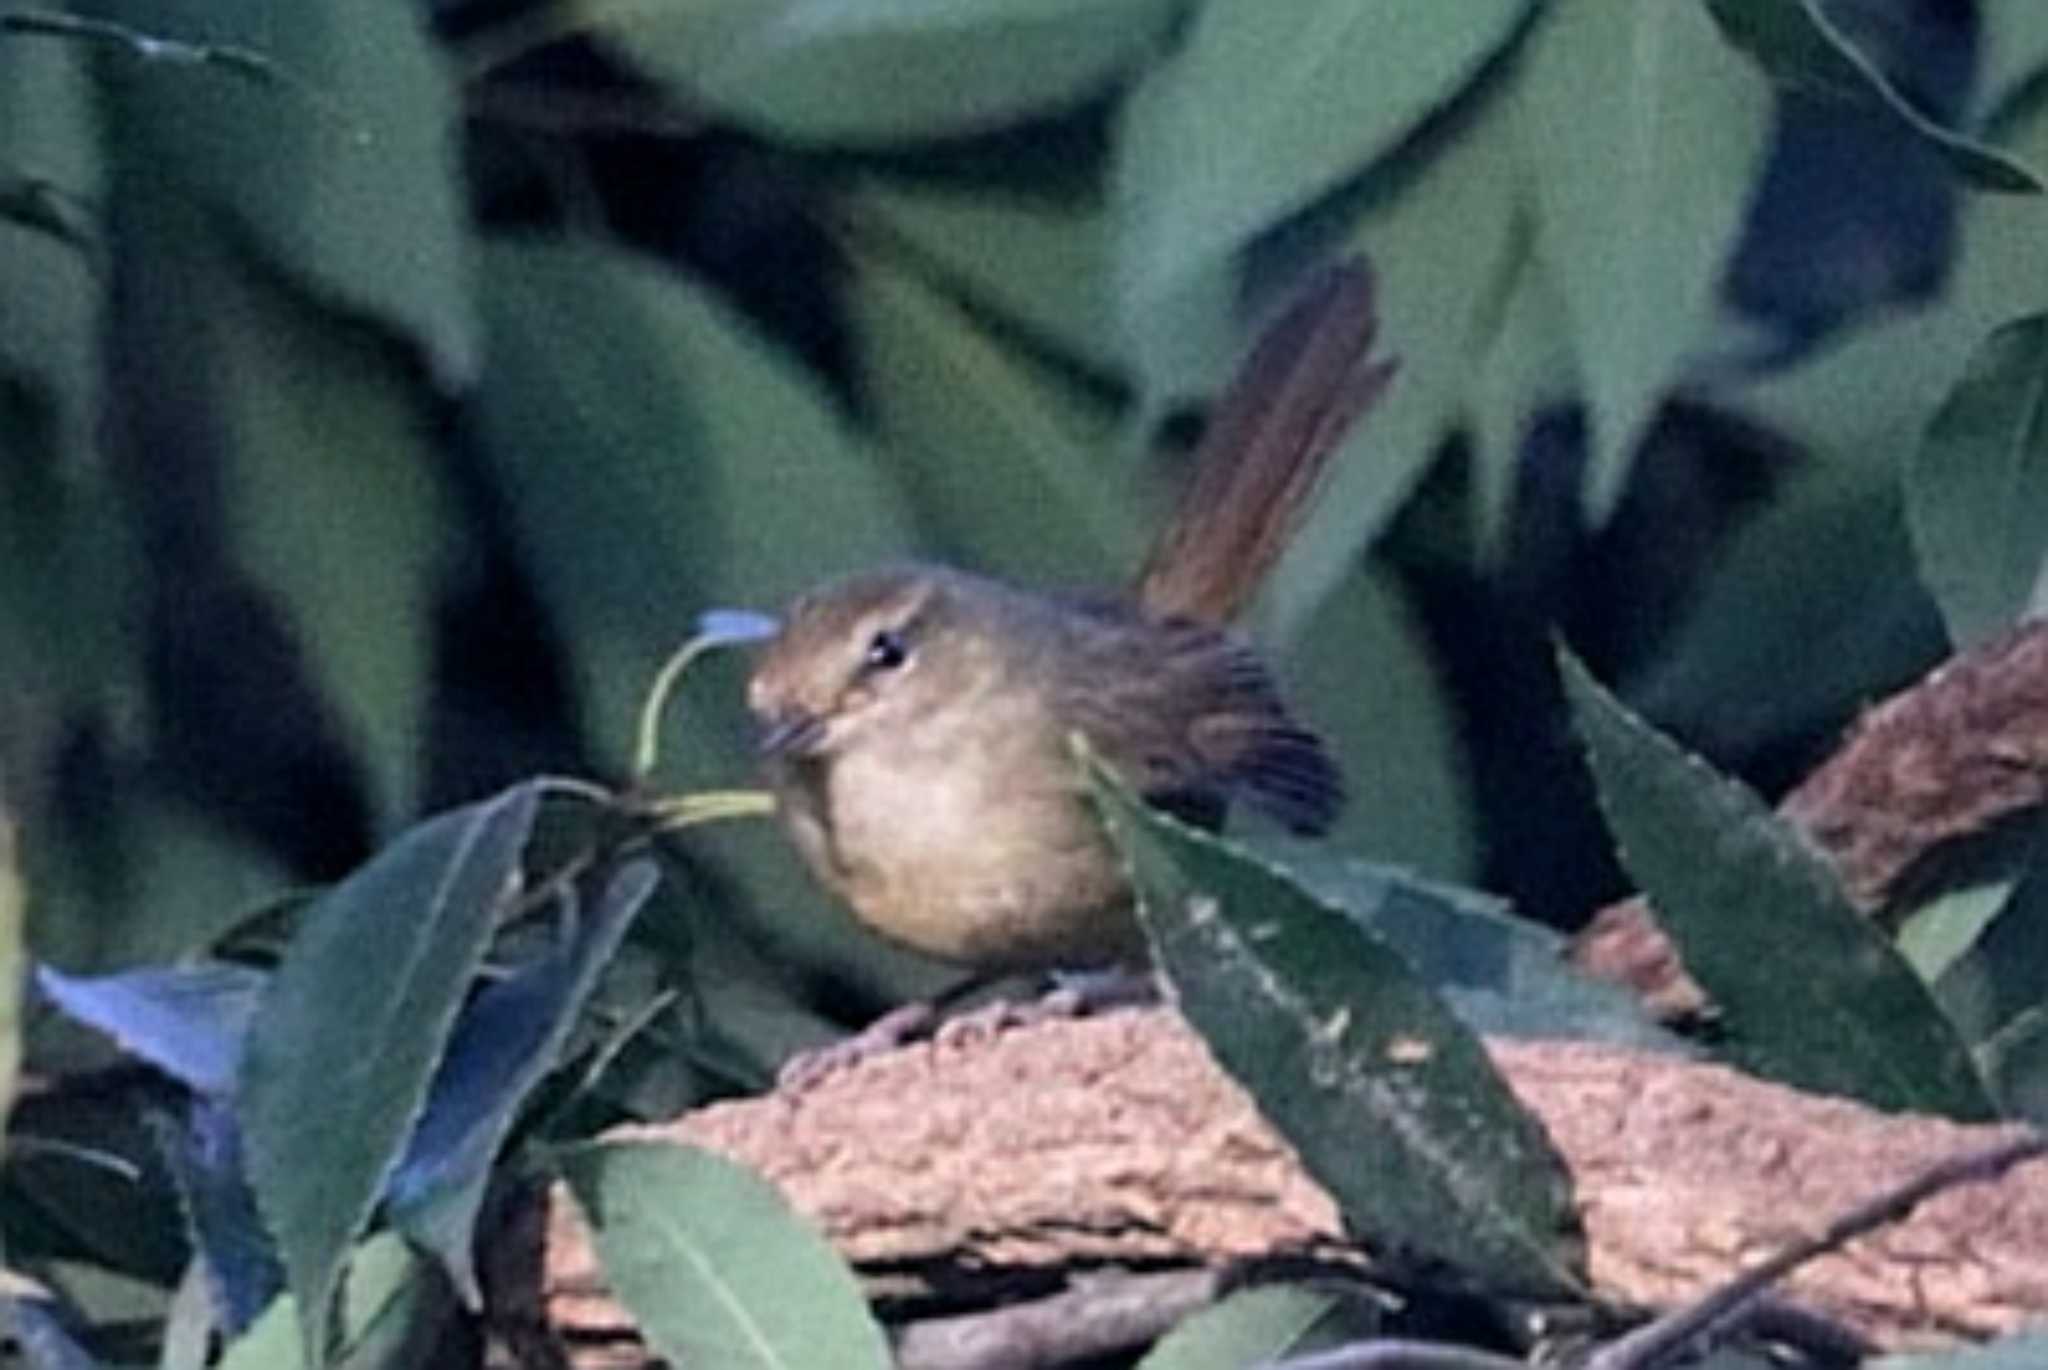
x: 916, y: 719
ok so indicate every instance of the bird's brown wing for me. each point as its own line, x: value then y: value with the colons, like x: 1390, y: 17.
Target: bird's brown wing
x: 1191, y: 718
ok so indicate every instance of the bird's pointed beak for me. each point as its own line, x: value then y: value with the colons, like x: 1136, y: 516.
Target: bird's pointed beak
x: 794, y: 733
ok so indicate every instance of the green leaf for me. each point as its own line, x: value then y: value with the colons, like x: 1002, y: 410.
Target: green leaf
x: 1390, y: 1101
x: 343, y: 170
x: 1410, y: 802
x: 981, y: 436
x: 508, y: 1038
x: 656, y: 458
x: 2021, y: 1351
x: 1043, y: 265
x: 1734, y: 680
x: 1796, y: 42
x: 2015, y: 1060
x: 1502, y: 975
x: 712, y: 1264
x: 2013, y: 51
x: 1441, y: 248
x: 1255, y: 1326
x: 388, y: 1304
x: 1810, y: 990
x: 1936, y: 934
x: 1867, y: 400
x: 1998, y: 977
x: 353, y: 1025
x: 1263, y: 109
x: 817, y: 71
x: 1977, y: 488
x: 1645, y: 136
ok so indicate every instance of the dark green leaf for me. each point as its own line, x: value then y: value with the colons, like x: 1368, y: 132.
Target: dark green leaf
x: 506, y: 1040
x: 1796, y: 42
x: 1395, y: 737
x: 1736, y: 680
x: 981, y: 436
x: 349, y: 1035
x: 815, y: 71
x: 712, y: 1264
x: 1645, y: 138
x: 343, y: 169
x: 657, y: 458
x: 1390, y: 1101
x: 1810, y: 990
x: 1977, y: 488
x: 389, y: 1305
x: 1255, y: 1326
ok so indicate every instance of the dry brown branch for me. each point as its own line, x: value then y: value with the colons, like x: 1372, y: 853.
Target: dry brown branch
x: 1117, y: 1140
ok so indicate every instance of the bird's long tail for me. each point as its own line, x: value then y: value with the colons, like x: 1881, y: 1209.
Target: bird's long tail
x: 1262, y: 457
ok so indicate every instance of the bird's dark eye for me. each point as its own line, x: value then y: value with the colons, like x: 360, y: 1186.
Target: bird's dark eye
x: 886, y: 651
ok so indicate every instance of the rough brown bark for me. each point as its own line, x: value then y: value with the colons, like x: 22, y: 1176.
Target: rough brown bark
x: 1117, y: 1140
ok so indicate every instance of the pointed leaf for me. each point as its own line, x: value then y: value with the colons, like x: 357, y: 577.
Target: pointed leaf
x: 353, y: 1026
x: 187, y: 1021
x: 822, y: 71
x: 1390, y: 1101
x: 342, y: 173
x: 1257, y: 1326
x: 1977, y: 487
x: 506, y: 1040
x: 1810, y: 990
x: 1645, y: 134
x: 1798, y: 44
x: 1264, y: 108
x: 239, y: 1264
x: 712, y: 1264
x: 1501, y: 974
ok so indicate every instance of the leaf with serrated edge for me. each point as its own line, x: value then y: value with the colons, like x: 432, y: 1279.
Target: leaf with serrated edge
x: 1810, y: 991
x: 713, y: 1266
x: 347, y: 1038
x: 1389, y: 1100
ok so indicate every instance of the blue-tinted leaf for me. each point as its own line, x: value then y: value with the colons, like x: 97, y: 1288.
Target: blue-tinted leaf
x: 505, y: 1041
x: 204, y: 1156
x: 353, y: 1026
x: 1810, y: 991
x: 187, y: 1021
x: 714, y: 1267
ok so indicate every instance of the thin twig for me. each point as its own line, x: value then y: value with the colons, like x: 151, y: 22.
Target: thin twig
x: 1714, y: 1313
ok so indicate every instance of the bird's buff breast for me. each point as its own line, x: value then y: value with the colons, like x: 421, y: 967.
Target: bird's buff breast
x: 968, y: 863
